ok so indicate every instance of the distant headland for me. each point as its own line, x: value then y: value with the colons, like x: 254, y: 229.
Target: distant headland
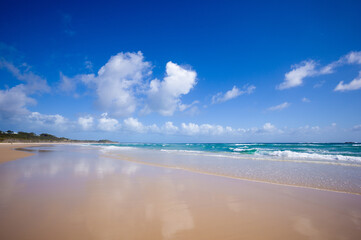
x: 25, y: 137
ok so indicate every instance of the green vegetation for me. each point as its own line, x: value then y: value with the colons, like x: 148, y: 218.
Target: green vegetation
x: 10, y: 136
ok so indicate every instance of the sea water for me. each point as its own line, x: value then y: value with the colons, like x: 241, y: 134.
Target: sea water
x: 336, y: 152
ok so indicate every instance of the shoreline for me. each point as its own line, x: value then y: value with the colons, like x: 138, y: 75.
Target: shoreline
x: 327, y: 177
x: 129, y: 159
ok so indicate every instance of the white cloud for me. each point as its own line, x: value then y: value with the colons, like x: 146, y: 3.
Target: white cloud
x: 350, y: 58
x: 34, y: 83
x: 279, y: 107
x: 44, y: 120
x: 121, y: 85
x: 233, y: 93
x: 116, y: 81
x: 268, y: 127
x: 86, y: 123
x: 13, y: 102
x: 67, y: 84
x: 183, y: 107
x: 132, y: 124
x: 353, y: 57
x: 300, y: 71
x: 355, y: 84
x: 190, y: 128
x: 153, y: 128
x: 169, y: 128
x: 203, y: 129
x: 106, y: 123
x: 164, y: 96
x: 319, y: 84
x: 193, y: 129
x: 306, y: 100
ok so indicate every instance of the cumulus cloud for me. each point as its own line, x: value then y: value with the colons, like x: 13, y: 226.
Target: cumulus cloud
x: 268, y: 127
x: 233, y: 93
x: 132, y: 124
x: 13, y: 101
x: 164, y: 96
x: 116, y: 81
x: 86, y: 122
x: 169, y: 128
x: 300, y: 71
x: 355, y: 84
x: 106, y: 123
x: 353, y: 57
x: 122, y: 85
x: 279, y: 107
x: 44, y: 120
x: 203, y: 129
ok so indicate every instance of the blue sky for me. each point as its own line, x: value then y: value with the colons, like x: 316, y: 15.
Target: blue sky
x: 182, y: 71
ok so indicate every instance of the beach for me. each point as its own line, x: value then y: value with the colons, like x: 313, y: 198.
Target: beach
x: 89, y: 192
x: 8, y: 152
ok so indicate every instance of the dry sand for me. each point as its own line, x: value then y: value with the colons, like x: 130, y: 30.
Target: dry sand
x: 123, y: 200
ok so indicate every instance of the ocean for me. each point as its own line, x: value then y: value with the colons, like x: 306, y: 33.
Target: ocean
x: 332, y: 152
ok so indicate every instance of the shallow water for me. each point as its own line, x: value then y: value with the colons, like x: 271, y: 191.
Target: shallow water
x: 337, y: 176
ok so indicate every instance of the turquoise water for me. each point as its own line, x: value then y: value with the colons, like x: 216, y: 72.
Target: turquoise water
x: 304, y: 151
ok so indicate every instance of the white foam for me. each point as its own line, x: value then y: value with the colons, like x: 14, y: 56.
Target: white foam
x: 298, y: 155
x: 181, y: 151
x: 115, y: 148
x: 242, y: 149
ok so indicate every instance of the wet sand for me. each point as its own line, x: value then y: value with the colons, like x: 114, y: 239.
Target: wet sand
x: 74, y: 192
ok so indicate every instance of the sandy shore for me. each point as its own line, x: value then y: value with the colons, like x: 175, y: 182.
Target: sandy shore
x: 8, y: 152
x: 80, y: 194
